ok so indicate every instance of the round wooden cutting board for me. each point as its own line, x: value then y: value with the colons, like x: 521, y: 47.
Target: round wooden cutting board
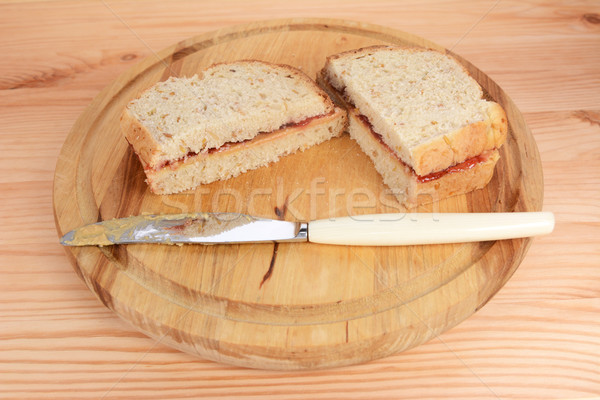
x: 286, y: 306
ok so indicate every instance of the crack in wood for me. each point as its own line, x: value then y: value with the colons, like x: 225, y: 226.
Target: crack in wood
x: 271, y: 264
x: 280, y: 212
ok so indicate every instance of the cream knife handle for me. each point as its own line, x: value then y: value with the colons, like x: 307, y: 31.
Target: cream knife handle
x: 428, y: 228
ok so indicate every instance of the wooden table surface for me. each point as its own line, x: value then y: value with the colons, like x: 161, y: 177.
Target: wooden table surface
x: 539, y: 337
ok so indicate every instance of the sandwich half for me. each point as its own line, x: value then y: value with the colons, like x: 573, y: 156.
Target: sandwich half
x: 232, y: 118
x: 420, y: 117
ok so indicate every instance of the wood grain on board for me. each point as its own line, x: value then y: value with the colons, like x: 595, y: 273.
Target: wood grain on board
x: 293, y: 305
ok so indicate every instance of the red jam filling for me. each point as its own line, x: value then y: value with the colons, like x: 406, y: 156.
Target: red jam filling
x: 460, y: 167
x: 228, y: 145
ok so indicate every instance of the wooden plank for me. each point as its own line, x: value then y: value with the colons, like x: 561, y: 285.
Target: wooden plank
x: 58, y: 341
x: 482, y: 358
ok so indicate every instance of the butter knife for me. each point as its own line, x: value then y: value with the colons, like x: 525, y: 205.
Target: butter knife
x: 361, y: 230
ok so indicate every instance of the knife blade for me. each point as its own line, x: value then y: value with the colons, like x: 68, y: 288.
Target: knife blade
x: 362, y: 230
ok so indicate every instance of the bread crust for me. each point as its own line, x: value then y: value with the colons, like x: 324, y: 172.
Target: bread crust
x: 442, y: 151
x: 140, y: 139
x: 470, y: 141
x: 240, y: 157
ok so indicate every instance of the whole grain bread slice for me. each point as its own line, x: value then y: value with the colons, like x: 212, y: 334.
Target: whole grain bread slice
x: 228, y: 102
x: 423, y: 103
